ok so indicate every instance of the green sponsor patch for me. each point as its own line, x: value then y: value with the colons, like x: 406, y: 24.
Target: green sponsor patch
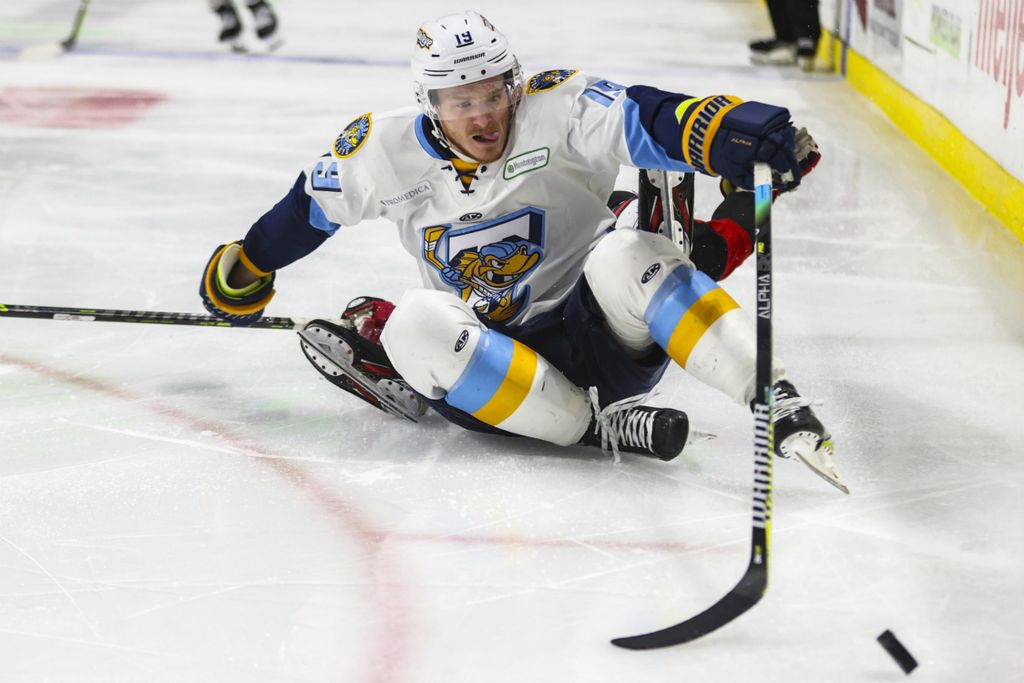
x: 526, y: 162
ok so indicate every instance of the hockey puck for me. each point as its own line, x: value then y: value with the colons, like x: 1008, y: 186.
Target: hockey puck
x: 897, y: 651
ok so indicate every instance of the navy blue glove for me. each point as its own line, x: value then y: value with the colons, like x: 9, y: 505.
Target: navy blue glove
x: 751, y: 132
x: 241, y: 306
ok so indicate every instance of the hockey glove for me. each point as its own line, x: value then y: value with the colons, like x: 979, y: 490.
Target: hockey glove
x: 807, y: 157
x: 726, y: 136
x: 241, y: 306
x: 807, y: 153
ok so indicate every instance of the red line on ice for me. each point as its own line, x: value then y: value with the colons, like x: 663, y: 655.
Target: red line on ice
x: 391, y: 641
x: 62, y: 107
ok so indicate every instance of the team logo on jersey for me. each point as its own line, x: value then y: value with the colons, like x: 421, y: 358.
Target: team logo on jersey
x: 526, y: 162
x: 547, y: 80
x: 487, y: 264
x: 353, y: 137
x: 423, y: 40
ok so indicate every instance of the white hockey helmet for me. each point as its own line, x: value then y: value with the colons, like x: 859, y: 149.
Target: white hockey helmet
x: 458, y: 49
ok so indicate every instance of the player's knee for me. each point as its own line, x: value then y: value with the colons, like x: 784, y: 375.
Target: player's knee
x: 430, y: 338
x: 627, y: 266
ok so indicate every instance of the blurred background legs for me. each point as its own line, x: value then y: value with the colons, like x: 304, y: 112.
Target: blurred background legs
x: 797, y: 31
x: 232, y: 26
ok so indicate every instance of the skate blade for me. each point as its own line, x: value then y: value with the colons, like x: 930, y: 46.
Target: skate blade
x: 773, y: 60
x: 699, y: 435
x: 311, y: 344
x: 42, y: 52
x: 817, y: 456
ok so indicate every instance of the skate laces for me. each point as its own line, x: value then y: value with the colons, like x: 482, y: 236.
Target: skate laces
x: 784, y: 407
x: 620, y: 423
x: 788, y: 406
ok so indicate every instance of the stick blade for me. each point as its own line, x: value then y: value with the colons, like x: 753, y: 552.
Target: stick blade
x: 732, y: 605
x: 43, y: 51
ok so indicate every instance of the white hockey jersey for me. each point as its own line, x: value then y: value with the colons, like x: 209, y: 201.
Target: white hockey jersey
x: 513, y: 244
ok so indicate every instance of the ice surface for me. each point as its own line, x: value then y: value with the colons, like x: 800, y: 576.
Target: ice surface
x: 188, y: 504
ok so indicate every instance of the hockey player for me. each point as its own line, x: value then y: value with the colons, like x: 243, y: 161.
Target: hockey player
x: 536, y: 317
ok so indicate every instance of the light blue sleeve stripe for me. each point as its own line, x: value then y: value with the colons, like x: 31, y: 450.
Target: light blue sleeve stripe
x: 483, y: 376
x: 680, y: 290
x: 644, y: 149
x: 318, y: 219
x: 599, y: 97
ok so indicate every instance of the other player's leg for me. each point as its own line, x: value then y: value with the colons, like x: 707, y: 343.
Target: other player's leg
x: 719, y: 245
x: 349, y: 355
x: 781, y: 48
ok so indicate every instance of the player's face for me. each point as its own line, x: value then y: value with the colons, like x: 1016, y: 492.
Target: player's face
x: 476, y: 117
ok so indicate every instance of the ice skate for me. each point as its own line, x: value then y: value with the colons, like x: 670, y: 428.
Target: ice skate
x: 773, y: 52
x: 349, y: 355
x: 799, y: 433
x: 230, y: 27
x: 624, y: 426
x: 806, y: 49
x: 265, y: 23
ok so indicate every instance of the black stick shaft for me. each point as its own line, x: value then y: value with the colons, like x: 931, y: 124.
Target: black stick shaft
x: 77, y: 26
x: 148, y: 317
x: 763, y: 404
x: 754, y: 582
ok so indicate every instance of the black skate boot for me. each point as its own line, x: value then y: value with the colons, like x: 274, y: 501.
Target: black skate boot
x: 230, y: 25
x: 265, y: 22
x: 773, y: 51
x: 654, y: 432
x: 349, y: 355
x: 799, y: 433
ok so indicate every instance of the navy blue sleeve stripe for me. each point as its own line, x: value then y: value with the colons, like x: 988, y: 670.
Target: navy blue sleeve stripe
x: 285, y: 234
x: 650, y: 146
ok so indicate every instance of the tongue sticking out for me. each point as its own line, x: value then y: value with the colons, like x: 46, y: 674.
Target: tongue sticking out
x: 492, y: 137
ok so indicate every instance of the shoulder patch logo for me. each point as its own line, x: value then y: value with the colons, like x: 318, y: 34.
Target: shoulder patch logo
x: 353, y: 137
x: 548, y: 80
x: 526, y: 162
x: 423, y: 40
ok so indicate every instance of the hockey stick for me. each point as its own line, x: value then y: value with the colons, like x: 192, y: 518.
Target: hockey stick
x: 49, y: 50
x: 154, y: 317
x: 387, y: 403
x: 72, y: 39
x: 754, y: 582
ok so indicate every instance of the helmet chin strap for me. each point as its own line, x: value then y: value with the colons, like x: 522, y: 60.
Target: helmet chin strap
x: 454, y: 149
x: 451, y: 146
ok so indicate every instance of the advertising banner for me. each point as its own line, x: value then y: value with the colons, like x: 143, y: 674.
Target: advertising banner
x: 965, y: 58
